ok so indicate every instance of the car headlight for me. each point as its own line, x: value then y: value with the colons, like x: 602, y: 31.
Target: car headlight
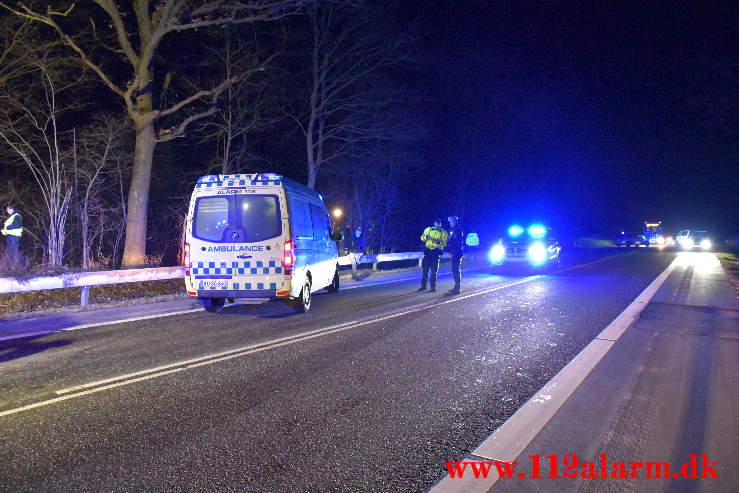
x: 688, y: 243
x: 706, y: 244
x: 537, y: 253
x: 497, y: 253
x: 660, y: 240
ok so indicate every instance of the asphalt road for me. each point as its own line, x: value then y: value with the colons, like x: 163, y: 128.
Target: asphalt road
x: 371, y: 391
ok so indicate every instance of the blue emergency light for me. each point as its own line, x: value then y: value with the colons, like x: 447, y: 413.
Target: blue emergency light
x: 515, y: 231
x: 209, y: 179
x: 537, y: 231
x: 268, y: 177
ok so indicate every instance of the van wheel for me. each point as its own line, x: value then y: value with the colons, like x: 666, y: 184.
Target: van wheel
x: 212, y: 305
x: 302, y: 303
x: 334, y: 286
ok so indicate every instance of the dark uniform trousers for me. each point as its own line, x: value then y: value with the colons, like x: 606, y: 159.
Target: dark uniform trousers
x: 13, y: 246
x: 457, y: 270
x: 430, y: 263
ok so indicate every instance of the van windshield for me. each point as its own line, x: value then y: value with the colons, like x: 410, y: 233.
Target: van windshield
x: 237, y: 218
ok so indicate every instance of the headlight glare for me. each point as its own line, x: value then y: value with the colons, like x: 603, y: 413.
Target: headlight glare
x: 537, y: 253
x: 497, y: 253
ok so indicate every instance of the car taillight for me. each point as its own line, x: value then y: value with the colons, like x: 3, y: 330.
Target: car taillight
x: 288, y: 257
x: 186, y: 255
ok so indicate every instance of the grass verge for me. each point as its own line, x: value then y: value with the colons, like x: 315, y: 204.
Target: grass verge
x: 33, y: 301
x: 730, y: 262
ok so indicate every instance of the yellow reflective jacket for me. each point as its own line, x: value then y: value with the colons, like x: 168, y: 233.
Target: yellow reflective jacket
x: 434, y: 238
x: 12, y: 226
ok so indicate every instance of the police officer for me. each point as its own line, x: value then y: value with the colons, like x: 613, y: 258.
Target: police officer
x: 434, y: 239
x: 12, y: 230
x: 456, y: 242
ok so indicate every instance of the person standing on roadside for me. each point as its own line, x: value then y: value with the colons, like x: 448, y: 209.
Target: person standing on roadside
x: 434, y: 239
x: 13, y: 230
x: 456, y: 248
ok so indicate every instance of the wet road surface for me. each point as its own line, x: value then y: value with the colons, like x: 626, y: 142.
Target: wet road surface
x: 371, y: 391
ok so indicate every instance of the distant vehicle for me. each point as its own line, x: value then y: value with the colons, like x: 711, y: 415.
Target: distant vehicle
x: 258, y: 236
x: 653, y: 234
x: 630, y: 239
x: 689, y: 239
x: 533, y: 247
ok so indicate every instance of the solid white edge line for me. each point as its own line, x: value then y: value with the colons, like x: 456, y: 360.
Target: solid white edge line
x: 514, y: 435
x: 192, y: 310
x: 71, y: 392
x: 99, y: 324
x: 272, y: 342
x: 150, y: 373
x: 179, y: 312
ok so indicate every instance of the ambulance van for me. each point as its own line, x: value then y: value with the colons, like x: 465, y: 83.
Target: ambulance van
x: 258, y: 236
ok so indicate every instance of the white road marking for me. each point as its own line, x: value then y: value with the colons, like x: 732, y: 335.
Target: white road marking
x: 513, y: 436
x: 414, y: 278
x: 121, y: 380
x: 99, y: 324
x: 193, y: 310
x: 180, y: 312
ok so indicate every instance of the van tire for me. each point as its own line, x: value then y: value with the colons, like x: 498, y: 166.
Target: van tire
x: 334, y: 286
x: 213, y: 305
x: 303, y: 301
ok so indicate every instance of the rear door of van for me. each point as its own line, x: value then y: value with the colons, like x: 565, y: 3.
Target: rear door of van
x: 236, y: 241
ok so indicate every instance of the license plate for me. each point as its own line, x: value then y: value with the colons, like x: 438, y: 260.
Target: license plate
x: 215, y: 283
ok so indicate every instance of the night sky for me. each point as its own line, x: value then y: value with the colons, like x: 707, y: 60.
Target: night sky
x: 594, y: 115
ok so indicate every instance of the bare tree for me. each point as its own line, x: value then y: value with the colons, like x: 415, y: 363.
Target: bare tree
x: 344, y: 109
x: 247, y: 109
x: 100, y: 158
x: 18, y: 40
x: 137, y: 38
x: 31, y: 130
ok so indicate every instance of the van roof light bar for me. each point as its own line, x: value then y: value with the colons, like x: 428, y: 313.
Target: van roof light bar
x: 268, y: 177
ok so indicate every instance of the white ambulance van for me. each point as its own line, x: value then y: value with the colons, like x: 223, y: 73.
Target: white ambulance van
x: 258, y: 236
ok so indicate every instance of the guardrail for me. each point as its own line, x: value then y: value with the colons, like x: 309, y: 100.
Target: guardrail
x: 86, y: 280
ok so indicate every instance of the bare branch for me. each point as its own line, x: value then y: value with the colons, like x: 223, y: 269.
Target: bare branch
x: 200, y: 94
x: 47, y: 19
x: 110, y: 8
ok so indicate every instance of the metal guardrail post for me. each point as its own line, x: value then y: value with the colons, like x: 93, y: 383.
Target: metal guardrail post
x: 84, y: 295
x: 374, y: 266
x: 355, y: 276
x: 420, y: 262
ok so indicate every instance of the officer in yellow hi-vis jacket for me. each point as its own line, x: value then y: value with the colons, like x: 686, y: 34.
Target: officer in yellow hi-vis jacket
x: 12, y: 230
x: 434, y: 239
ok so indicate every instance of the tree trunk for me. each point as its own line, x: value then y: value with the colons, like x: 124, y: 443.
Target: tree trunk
x: 138, y: 194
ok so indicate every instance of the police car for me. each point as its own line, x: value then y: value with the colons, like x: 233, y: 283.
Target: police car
x: 532, y: 247
x: 258, y: 236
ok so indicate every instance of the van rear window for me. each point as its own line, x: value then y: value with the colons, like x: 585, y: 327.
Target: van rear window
x: 237, y: 218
